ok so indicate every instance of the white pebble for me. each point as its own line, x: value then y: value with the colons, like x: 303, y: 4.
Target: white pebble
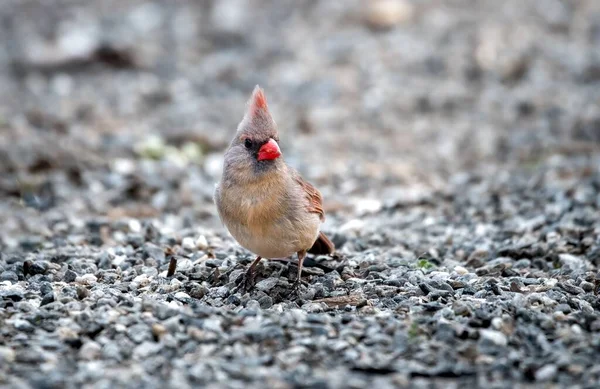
x: 496, y: 337
x: 201, y: 243
x: 388, y: 13
x: 123, y: 166
x: 87, y: 279
x: 546, y: 373
x: 184, y: 265
x: 90, y: 351
x: 354, y: 225
x: 461, y: 270
x: 181, y: 296
x: 188, y: 243
x: 497, y: 323
x: 134, y: 226
x: 7, y: 354
x: 366, y: 206
x: 141, y: 281
x: 118, y: 260
x: 559, y: 316
x: 212, y: 325
x: 176, y: 284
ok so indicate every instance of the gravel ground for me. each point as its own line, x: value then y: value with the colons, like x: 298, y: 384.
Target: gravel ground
x: 457, y: 146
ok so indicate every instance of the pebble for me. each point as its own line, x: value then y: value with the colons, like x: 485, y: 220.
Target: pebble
x: 70, y: 276
x: 352, y: 226
x: 90, y: 351
x: 267, y: 284
x: 546, y: 373
x: 87, y: 279
x: 201, y: 243
x: 9, y: 276
x: 23, y: 326
x: 386, y: 14
x: 140, y: 281
x: 12, y: 294
x: 182, y: 296
x: 188, y: 243
x: 7, y: 354
x: 496, y: 337
x: 47, y: 299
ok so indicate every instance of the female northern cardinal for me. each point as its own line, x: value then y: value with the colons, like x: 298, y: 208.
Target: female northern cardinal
x: 265, y: 204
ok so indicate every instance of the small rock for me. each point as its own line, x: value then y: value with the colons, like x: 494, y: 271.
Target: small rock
x: 139, y: 333
x: 573, y: 289
x: 140, y: 281
x: 313, y: 307
x: 90, y: 351
x: 461, y: 270
x: 154, y: 252
x: 70, y: 276
x: 354, y: 226
x: 188, y: 243
x: 82, y: 292
x: 11, y: 294
x: 368, y: 206
x: 182, y: 296
x: 124, y: 167
x: 546, y: 373
x: 229, y: 16
x: 572, y: 262
x: 23, y: 325
x: 385, y: 14
x: 184, y: 265
x: 253, y: 304
x: 38, y: 267
x: 9, y: 276
x: 495, y: 337
x: 7, y: 355
x: 201, y: 243
x: 134, y: 226
x: 267, y: 284
x: 87, y: 279
x: 586, y: 286
x: 158, y: 330
x: 146, y: 349
x: 265, y: 302
x: 212, y: 325
x: 47, y: 299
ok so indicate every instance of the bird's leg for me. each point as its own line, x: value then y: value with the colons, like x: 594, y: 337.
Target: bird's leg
x: 296, y: 284
x: 248, y: 281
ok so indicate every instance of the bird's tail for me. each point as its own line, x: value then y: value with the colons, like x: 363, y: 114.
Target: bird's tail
x: 322, y: 245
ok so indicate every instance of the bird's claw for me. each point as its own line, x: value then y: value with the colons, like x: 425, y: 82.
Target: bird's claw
x: 295, y: 289
x: 247, y: 282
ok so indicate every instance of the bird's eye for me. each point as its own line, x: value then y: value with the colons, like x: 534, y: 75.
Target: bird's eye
x: 248, y: 143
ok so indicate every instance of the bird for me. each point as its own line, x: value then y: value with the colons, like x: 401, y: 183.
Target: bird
x: 264, y: 203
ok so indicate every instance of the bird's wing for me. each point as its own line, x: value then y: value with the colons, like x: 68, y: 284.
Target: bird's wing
x: 315, y: 200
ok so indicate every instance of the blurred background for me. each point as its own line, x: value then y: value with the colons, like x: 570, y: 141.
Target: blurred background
x: 121, y: 109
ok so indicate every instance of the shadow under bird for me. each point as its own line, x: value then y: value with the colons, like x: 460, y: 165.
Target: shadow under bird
x: 264, y: 203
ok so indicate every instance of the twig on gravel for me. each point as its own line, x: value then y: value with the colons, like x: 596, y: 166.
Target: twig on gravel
x: 172, y: 267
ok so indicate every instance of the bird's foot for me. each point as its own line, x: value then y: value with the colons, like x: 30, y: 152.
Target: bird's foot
x: 247, y: 282
x: 295, y: 289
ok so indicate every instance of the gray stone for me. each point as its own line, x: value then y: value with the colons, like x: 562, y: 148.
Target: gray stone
x: 267, y: 284
x: 9, y: 276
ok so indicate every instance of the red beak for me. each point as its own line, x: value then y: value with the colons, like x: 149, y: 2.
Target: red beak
x: 269, y: 151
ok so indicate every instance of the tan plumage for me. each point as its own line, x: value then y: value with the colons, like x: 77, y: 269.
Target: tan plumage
x: 265, y: 204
